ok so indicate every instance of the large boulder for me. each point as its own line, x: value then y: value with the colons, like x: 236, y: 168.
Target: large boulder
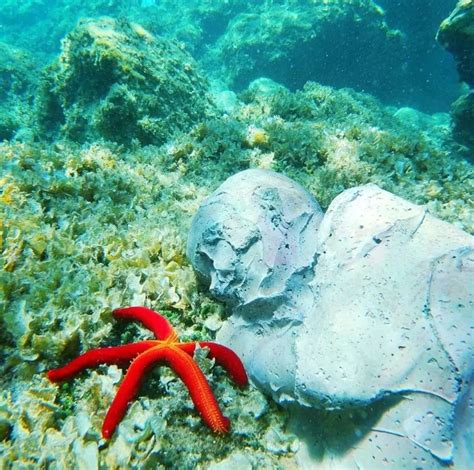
x: 372, y: 304
x: 338, y: 43
x: 462, y: 114
x: 456, y: 34
x: 114, y: 80
x: 18, y: 72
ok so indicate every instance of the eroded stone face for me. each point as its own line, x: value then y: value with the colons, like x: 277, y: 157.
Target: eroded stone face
x: 372, y: 303
x: 250, y: 237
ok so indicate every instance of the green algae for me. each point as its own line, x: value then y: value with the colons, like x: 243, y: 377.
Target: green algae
x: 91, y: 230
x: 330, y: 140
x: 18, y: 75
x: 88, y: 229
x: 456, y: 34
x: 85, y: 229
x: 114, y: 80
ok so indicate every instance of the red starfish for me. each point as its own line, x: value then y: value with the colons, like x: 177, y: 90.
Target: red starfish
x: 144, y: 354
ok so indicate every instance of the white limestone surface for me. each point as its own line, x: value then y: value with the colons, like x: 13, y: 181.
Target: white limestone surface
x: 369, y: 308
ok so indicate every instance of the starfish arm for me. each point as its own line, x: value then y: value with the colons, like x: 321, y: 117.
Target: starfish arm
x: 224, y: 356
x: 186, y: 368
x: 152, y: 320
x: 199, y: 389
x: 94, y: 357
x: 129, y: 388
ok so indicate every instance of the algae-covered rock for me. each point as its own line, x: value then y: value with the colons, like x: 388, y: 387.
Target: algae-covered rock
x: 456, y: 34
x: 361, y: 51
x: 462, y: 113
x: 114, y: 80
x: 331, y: 42
x: 18, y: 72
x: 12, y: 11
x: 83, y: 232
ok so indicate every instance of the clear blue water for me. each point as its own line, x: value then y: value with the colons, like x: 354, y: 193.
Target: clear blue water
x: 109, y: 141
x: 417, y: 72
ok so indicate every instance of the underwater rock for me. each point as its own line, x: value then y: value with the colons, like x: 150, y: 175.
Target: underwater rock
x: 236, y: 460
x: 11, y: 11
x: 114, y: 80
x: 294, y: 42
x: 462, y: 113
x: 371, y: 304
x: 18, y: 72
x: 456, y: 34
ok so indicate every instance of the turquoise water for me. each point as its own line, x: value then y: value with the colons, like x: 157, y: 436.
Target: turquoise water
x: 117, y: 119
x: 409, y: 70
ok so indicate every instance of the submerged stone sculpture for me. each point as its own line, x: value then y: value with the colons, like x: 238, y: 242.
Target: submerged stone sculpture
x: 370, y: 307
